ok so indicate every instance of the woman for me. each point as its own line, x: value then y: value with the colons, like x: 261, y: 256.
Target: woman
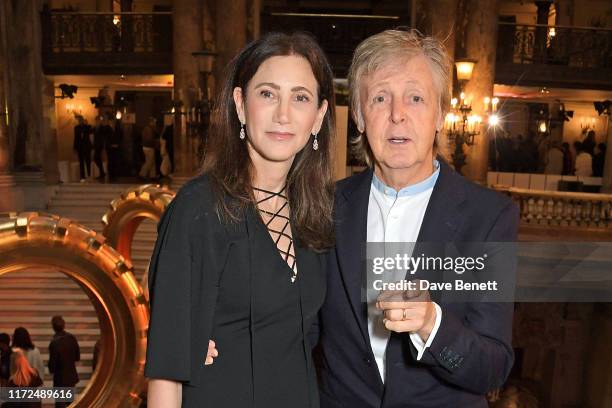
x: 22, y: 340
x: 239, y: 253
x: 22, y: 375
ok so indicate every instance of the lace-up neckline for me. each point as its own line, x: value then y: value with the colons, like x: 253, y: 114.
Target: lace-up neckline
x: 279, y: 227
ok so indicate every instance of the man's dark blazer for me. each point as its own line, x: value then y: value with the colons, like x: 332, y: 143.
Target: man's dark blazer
x: 64, y: 352
x: 471, y: 352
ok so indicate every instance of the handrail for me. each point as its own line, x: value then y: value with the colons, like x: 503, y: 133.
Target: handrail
x: 335, y: 15
x: 556, y: 194
x: 555, y: 26
x: 112, y: 13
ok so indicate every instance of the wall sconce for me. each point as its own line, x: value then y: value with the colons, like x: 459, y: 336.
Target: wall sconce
x: 587, y: 123
x: 465, y: 68
x: 67, y: 90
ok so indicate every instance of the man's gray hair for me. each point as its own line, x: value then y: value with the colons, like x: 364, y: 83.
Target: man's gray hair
x: 390, y: 46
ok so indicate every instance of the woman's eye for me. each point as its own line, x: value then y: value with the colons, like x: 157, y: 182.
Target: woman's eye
x: 302, y: 98
x: 266, y: 93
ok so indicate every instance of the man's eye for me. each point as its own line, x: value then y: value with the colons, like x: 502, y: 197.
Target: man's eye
x: 379, y: 99
x: 302, y: 98
x: 417, y: 99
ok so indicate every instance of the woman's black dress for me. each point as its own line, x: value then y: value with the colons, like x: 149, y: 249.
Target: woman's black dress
x: 260, y: 325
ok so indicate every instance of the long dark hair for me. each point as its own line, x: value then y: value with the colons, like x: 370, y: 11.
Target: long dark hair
x: 21, y: 339
x: 226, y: 157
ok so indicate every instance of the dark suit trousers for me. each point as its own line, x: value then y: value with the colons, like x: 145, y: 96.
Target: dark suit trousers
x: 84, y: 163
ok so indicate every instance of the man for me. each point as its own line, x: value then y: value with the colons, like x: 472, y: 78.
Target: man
x: 113, y: 149
x: 407, y: 353
x: 148, y: 169
x: 64, y: 352
x: 100, y: 140
x: 82, y: 146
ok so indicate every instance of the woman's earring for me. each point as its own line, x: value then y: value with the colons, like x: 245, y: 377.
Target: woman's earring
x: 315, y: 143
x: 242, y: 132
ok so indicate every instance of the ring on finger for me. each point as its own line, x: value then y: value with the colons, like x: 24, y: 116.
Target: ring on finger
x: 404, y: 314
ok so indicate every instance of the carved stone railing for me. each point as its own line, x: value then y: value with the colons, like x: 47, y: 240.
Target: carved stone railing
x: 562, y: 209
x: 573, y: 46
x: 560, y: 56
x: 101, y: 42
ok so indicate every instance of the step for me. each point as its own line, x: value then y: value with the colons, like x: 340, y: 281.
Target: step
x: 54, y: 308
x: 33, y: 320
x: 18, y: 295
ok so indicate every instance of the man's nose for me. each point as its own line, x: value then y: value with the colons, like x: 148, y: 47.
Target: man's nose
x: 398, y: 111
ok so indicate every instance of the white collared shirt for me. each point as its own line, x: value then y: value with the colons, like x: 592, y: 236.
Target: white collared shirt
x: 396, y: 216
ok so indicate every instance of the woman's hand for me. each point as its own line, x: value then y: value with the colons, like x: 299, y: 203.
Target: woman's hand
x: 212, y: 353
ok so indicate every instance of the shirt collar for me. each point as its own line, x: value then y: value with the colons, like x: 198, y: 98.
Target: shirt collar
x: 411, y: 190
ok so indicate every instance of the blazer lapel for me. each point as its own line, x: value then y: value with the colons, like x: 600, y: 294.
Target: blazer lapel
x: 351, y: 237
x: 442, y: 219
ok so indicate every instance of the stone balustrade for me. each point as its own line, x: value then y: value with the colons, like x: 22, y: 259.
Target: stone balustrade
x: 562, y: 209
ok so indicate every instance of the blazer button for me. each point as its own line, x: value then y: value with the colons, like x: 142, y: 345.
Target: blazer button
x: 368, y: 360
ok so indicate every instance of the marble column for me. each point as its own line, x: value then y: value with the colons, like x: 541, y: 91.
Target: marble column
x: 21, y: 24
x: 230, y: 34
x: 481, y: 44
x: 7, y: 181
x: 254, y: 19
x: 188, y: 38
x: 442, y: 16
x: 49, y: 131
x: 607, y: 176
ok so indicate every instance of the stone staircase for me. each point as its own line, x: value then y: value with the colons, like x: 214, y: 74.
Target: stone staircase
x: 30, y: 298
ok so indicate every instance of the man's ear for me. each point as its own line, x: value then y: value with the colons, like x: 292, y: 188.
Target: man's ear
x: 316, y: 128
x: 239, y: 102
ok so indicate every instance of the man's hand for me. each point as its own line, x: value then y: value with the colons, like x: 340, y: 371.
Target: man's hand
x: 212, y: 353
x: 408, y: 311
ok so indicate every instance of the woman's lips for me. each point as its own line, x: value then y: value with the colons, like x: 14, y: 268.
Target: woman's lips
x: 280, y: 135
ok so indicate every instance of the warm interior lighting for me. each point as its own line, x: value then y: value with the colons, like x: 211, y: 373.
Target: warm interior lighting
x: 464, y: 69
x: 493, y: 120
x: 542, y: 127
x: 118, y: 115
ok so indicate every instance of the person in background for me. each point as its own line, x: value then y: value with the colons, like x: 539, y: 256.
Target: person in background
x: 584, y: 161
x: 588, y: 144
x: 599, y: 160
x: 23, y: 375
x: 99, y: 145
x: 554, y: 159
x: 5, y: 358
x: 148, y: 148
x: 64, y: 352
x: 568, y: 159
x: 168, y: 137
x: 82, y: 146
x: 23, y: 341
x: 96, y: 355
x: 113, y: 151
